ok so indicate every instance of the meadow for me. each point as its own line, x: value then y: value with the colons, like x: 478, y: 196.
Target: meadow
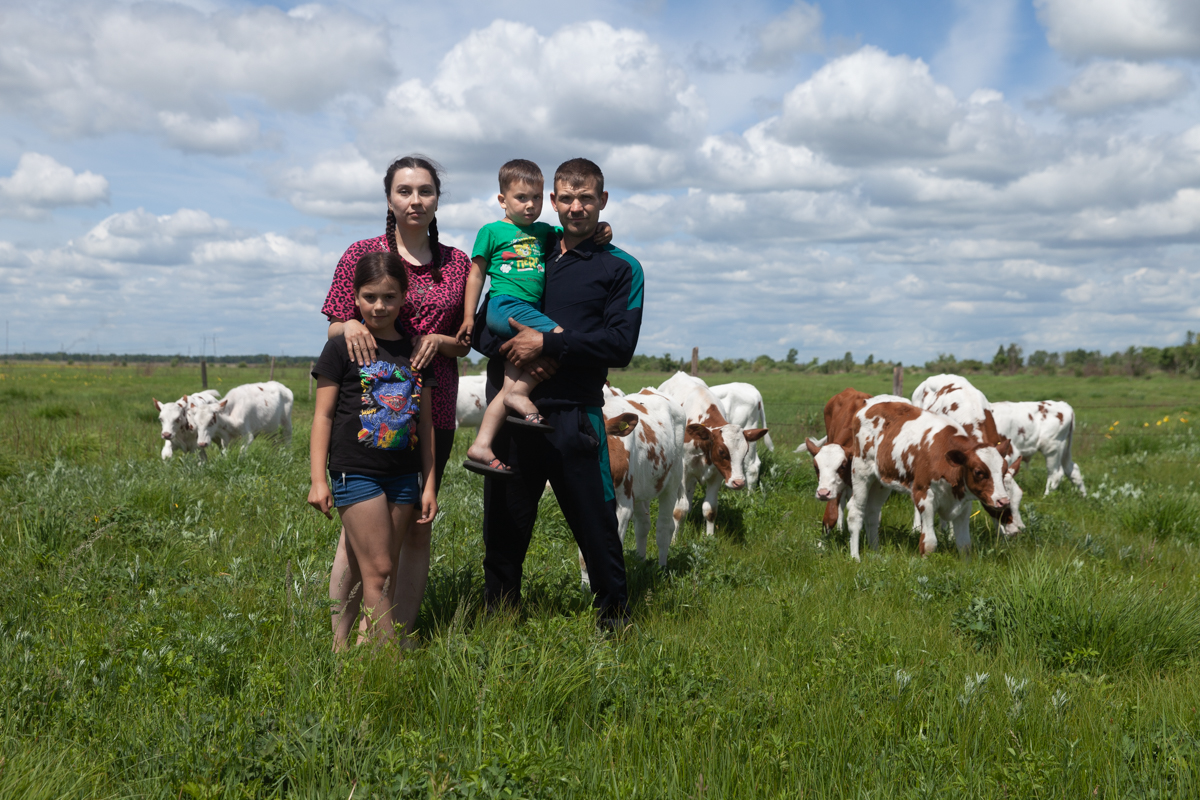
x: 164, y: 627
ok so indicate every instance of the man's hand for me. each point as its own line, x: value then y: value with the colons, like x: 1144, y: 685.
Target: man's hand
x: 525, y: 347
x: 542, y: 368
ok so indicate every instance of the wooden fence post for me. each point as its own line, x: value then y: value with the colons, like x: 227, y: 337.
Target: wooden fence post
x: 272, y: 377
x: 695, y: 361
x: 898, y: 380
x: 203, y: 374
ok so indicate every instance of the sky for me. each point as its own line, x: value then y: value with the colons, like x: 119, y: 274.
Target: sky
x: 884, y: 177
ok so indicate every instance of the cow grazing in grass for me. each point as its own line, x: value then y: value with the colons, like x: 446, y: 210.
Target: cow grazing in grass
x: 832, y: 454
x: 645, y: 456
x: 744, y: 406
x: 1044, y: 427
x: 955, y: 397
x: 715, y: 450
x: 899, y: 447
x: 247, y: 411
x: 178, y: 432
x: 468, y: 411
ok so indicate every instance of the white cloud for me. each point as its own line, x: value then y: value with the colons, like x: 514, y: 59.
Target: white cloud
x: 1178, y: 217
x: 1138, y: 29
x: 978, y: 46
x: 138, y: 236
x: 507, y: 84
x: 222, y: 136
x: 1106, y: 86
x: 87, y: 69
x: 39, y: 183
x: 756, y: 161
x: 794, y: 31
x: 340, y: 185
x: 871, y: 106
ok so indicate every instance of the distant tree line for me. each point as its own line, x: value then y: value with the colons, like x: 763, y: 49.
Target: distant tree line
x: 115, y: 359
x: 1181, y: 359
x: 763, y: 363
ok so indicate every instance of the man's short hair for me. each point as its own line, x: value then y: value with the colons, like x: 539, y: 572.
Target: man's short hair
x: 577, y: 172
x: 520, y: 170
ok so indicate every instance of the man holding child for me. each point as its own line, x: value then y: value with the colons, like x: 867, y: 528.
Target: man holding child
x: 593, y: 295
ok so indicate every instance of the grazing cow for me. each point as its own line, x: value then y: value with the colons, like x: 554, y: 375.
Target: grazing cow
x: 247, y: 411
x: 178, y: 432
x: 1045, y: 427
x: 955, y: 397
x: 468, y: 412
x: 645, y: 455
x: 744, y: 405
x: 899, y: 447
x: 832, y: 454
x: 715, y: 450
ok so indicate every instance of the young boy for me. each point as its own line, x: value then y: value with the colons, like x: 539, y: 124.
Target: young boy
x: 512, y: 253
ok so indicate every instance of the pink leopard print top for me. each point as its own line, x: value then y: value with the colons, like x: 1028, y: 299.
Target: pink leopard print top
x: 431, y: 308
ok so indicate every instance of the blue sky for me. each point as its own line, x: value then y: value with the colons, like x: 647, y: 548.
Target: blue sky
x: 900, y: 179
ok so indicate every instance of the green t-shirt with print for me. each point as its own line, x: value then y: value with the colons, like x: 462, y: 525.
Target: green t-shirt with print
x: 516, y: 257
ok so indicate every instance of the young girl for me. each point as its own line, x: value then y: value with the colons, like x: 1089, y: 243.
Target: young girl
x: 373, y: 429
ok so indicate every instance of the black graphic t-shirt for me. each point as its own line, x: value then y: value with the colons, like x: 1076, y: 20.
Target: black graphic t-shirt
x: 378, y: 413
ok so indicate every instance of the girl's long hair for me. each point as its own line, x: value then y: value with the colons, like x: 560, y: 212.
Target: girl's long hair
x: 415, y: 162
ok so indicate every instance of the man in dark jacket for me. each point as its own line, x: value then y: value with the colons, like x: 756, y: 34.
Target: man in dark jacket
x: 594, y: 292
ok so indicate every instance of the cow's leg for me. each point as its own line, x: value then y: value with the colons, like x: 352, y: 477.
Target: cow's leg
x: 856, y: 511
x: 1054, y: 465
x: 926, y: 524
x: 753, y: 467
x: 876, y: 496
x: 664, y: 527
x: 639, y: 512
x: 962, y: 532
x: 167, y: 450
x: 1077, y: 478
x: 843, y: 499
x: 710, y: 505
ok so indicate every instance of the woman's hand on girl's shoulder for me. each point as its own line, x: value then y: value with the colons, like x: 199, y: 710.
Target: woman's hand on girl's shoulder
x: 360, y: 344
x: 424, y: 348
x: 320, y: 498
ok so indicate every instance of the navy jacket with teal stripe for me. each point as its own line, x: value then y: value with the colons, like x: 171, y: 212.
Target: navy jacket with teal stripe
x: 594, y: 292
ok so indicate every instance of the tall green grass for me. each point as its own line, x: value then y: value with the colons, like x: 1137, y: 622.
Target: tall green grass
x: 164, y: 632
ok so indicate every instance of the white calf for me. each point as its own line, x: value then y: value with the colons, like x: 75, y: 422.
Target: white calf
x: 645, y: 456
x: 744, y: 405
x: 715, y: 450
x: 955, y: 397
x: 899, y: 447
x: 468, y: 412
x: 1046, y: 428
x: 178, y: 432
x: 247, y: 411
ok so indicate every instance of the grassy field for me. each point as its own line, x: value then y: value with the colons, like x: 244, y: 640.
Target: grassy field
x: 164, y: 629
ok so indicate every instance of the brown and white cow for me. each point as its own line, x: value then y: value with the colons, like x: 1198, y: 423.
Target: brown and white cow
x: 645, y: 456
x: 955, y: 397
x: 1045, y: 427
x: 832, y: 455
x: 899, y: 447
x: 715, y: 450
x: 744, y: 406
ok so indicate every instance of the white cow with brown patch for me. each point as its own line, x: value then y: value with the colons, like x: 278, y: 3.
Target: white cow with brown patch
x: 471, y: 402
x: 715, y: 450
x: 178, y: 432
x: 899, y: 447
x: 1044, y: 427
x: 744, y: 406
x: 645, y: 456
x: 247, y: 411
x: 955, y: 397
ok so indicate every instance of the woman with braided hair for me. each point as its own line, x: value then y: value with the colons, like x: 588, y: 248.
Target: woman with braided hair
x: 437, y: 279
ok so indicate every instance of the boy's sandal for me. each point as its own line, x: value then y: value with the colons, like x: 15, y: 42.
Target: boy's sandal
x: 495, y: 468
x: 535, y: 421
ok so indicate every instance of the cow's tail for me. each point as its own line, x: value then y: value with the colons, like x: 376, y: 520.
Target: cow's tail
x: 1067, y: 464
x: 762, y: 415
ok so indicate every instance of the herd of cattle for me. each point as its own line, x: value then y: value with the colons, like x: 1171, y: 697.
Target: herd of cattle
x: 946, y: 448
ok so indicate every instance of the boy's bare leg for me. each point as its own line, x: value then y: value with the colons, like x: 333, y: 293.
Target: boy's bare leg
x: 517, y: 399
x: 481, y: 449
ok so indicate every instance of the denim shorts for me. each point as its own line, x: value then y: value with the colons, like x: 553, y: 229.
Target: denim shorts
x: 349, y: 488
x: 503, y: 306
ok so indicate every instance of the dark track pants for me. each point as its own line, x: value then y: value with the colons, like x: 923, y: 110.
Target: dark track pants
x: 571, y: 459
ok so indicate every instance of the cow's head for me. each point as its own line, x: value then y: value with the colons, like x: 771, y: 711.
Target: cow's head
x: 985, y: 475
x: 205, y: 417
x: 172, y: 417
x: 832, y: 463
x: 726, y: 448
